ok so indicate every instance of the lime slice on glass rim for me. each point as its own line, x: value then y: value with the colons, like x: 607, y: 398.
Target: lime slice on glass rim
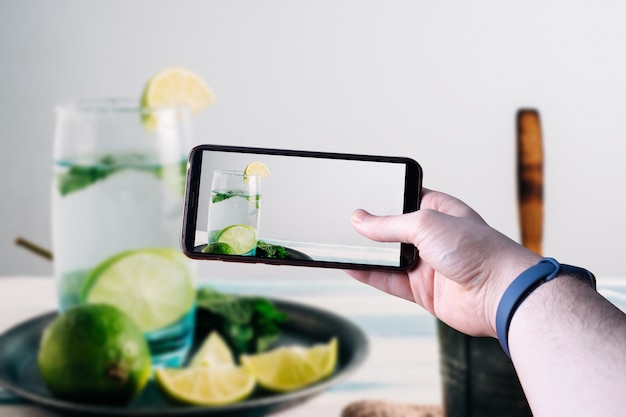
x: 240, y: 237
x: 175, y: 86
x: 153, y: 286
x: 256, y: 169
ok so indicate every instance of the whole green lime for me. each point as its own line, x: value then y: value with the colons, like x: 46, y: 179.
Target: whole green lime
x: 94, y: 353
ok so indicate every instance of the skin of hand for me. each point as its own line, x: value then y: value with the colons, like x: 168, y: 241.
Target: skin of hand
x: 460, y: 275
x: 567, y: 341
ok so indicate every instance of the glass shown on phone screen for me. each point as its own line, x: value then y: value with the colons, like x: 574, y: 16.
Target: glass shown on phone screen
x: 300, y: 211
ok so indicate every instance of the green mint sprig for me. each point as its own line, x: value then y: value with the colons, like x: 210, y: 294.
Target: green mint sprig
x: 218, y: 197
x: 79, y: 177
x: 268, y: 250
x: 248, y: 324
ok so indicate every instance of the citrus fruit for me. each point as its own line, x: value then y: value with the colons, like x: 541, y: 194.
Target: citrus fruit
x: 209, y: 386
x: 94, y: 353
x: 218, y: 248
x: 289, y: 368
x: 153, y: 286
x: 256, y: 168
x: 240, y: 237
x: 213, y: 352
x: 323, y: 357
x: 175, y: 86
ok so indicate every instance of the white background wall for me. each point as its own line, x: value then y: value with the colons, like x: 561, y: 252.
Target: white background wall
x: 438, y: 81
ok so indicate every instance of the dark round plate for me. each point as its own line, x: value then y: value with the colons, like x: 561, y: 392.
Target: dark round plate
x: 305, y: 325
x: 291, y: 253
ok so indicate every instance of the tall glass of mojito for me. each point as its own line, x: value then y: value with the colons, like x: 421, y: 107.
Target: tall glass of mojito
x: 117, y: 201
x: 234, y: 213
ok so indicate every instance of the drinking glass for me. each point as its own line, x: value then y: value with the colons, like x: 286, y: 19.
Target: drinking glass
x: 117, y: 198
x: 234, y: 211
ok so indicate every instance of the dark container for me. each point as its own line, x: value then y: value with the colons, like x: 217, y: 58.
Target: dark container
x: 478, y: 377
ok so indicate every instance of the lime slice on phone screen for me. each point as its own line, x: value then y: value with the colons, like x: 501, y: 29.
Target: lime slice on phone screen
x: 255, y: 168
x: 240, y: 237
x: 153, y: 286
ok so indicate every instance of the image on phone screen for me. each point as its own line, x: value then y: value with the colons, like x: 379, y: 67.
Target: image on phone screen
x: 296, y: 208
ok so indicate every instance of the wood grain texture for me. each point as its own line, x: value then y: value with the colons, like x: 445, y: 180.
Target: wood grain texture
x: 530, y: 178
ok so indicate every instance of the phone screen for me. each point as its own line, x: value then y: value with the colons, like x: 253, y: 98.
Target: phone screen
x: 294, y: 207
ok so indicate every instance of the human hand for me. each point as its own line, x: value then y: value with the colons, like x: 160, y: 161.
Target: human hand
x: 464, y: 265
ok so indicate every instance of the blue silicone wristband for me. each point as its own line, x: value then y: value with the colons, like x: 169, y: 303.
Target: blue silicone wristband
x: 544, y: 271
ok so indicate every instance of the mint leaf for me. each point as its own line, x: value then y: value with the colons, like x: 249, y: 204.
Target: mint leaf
x: 248, y: 324
x: 233, y: 309
x: 268, y: 250
x: 217, y: 197
x: 78, y: 177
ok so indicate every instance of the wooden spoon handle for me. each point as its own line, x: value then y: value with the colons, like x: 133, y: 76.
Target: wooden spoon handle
x: 530, y: 178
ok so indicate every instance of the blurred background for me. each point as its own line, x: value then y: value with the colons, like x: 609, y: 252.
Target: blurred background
x: 439, y: 82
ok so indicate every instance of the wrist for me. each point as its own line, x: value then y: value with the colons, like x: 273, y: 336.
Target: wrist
x: 525, y: 284
x: 503, y: 277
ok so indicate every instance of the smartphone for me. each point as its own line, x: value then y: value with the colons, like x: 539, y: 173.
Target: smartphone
x: 300, y: 213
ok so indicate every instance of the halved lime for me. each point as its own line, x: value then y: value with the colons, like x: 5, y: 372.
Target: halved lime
x: 213, y: 352
x: 240, y: 237
x: 289, y: 368
x: 153, y: 286
x: 210, y: 386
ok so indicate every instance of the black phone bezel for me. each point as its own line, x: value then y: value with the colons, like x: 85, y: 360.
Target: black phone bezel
x: 412, y: 199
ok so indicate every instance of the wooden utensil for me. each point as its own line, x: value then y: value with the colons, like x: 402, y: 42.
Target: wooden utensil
x: 530, y: 178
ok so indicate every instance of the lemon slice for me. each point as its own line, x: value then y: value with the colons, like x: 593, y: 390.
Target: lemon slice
x: 175, y: 86
x: 240, y: 237
x: 208, y: 386
x: 256, y: 168
x: 324, y: 357
x: 213, y: 352
x: 289, y: 368
x: 153, y: 286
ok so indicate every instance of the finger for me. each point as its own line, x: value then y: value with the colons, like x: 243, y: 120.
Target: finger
x: 396, y: 284
x: 447, y: 204
x: 386, y: 228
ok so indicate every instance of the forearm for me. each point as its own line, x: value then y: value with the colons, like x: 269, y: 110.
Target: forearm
x: 570, y: 355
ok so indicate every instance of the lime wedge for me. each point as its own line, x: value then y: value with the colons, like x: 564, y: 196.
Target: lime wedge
x: 240, y: 237
x: 289, y: 368
x: 175, y: 87
x: 153, y: 286
x: 258, y: 169
x: 213, y: 352
x: 208, y: 386
x: 324, y: 357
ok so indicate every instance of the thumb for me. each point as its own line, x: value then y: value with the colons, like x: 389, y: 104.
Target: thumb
x: 384, y: 228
